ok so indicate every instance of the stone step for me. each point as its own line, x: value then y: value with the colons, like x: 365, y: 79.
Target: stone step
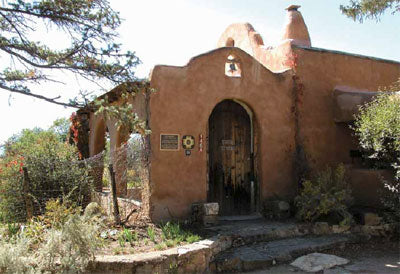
x: 264, y: 254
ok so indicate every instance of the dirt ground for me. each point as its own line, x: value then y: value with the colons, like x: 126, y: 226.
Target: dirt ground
x: 379, y: 256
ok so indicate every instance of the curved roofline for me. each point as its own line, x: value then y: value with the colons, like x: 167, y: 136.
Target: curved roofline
x: 194, y: 58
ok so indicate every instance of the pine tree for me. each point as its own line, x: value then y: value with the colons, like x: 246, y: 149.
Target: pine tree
x: 89, y: 51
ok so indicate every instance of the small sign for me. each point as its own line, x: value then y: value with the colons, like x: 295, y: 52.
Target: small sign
x: 227, y: 142
x: 227, y: 145
x: 169, y: 142
x: 188, y: 142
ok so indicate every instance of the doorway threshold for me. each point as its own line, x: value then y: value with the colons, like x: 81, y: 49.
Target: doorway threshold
x: 254, y: 216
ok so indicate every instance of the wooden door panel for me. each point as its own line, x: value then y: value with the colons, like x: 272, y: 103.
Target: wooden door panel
x: 230, y: 151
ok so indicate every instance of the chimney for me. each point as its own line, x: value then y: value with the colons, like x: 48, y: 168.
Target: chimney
x: 295, y: 28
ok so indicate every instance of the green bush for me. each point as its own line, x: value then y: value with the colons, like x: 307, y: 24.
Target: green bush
x: 328, y: 194
x: 377, y: 127
x: 378, y: 130
x: 53, y: 171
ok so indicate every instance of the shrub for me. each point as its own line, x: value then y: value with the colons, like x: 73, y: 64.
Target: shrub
x: 70, y: 248
x: 53, y: 248
x: 326, y: 195
x: 378, y: 130
x: 53, y: 173
x: 14, y: 256
x: 377, y: 127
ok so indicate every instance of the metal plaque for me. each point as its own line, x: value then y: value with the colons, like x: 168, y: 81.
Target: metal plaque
x: 169, y: 142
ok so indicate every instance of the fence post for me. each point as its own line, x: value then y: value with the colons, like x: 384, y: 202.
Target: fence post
x: 117, y: 218
x: 27, y: 197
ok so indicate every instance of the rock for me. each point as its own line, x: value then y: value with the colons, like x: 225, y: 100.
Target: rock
x: 276, y: 209
x: 321, y: 228
x: 315, y: 262
x: 336, y: 270
x: 283, y: 206
x: 371, y: 219
x: 210, y: 209
x: 210, y: 220
x: 205, y: 213
x: 340, y: 228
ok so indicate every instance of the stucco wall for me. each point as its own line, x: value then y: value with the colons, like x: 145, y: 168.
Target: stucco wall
x: 319, y: 72
x: 325, y: 141
x: 182, y: 104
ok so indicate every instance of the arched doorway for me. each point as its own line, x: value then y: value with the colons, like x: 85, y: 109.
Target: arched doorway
x: 231, y: 168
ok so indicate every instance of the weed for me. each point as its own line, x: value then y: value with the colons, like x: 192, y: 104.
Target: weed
x: 126, y: 236
x: 170, y: 243
x: 174, y: 232
x: 173, y: 268
x: 117, y: 250
x: 151, y: 233
x: 191, y: 238
x: 12, y: 229
x: 160, y: 246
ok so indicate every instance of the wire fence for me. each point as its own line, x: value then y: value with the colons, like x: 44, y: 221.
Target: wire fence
x: 28, y: 182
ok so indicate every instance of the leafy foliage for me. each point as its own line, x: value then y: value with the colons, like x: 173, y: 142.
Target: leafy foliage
x: 90, y: 50
x: 53, y: 172
x: 369, y: 9
x: 122, y: 113
x: 61, y: 128
x: 328, y: 193
x: 378, y: 130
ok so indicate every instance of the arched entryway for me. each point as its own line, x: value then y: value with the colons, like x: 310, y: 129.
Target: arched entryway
x: 231, y: 163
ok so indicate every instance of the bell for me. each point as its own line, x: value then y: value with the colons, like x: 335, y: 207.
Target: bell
x: 232, y: 67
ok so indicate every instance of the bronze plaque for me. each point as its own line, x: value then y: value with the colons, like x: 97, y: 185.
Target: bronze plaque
x: 169, y: 142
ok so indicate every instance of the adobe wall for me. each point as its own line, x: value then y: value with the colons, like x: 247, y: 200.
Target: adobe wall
x: 182, y: 104
x: 319, y: 71
x: 98, y: 127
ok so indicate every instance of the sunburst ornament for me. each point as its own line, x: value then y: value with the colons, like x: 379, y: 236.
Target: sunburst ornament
x: 188, y: 142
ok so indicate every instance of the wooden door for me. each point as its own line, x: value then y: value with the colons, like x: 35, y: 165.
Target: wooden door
x: 230, y: 158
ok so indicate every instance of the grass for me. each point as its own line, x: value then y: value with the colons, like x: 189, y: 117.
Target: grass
x: 173, y: 232
x: 127, y: 235
x: 151, y: 237
x: 151, y: 233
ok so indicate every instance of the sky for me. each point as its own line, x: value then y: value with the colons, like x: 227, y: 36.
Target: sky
x: 171, y: 32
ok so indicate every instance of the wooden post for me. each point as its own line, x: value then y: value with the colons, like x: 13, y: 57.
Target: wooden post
x: 117, y: 218
x: 27, y: 197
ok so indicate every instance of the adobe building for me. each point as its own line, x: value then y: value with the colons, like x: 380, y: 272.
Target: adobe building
x: 245, y: 122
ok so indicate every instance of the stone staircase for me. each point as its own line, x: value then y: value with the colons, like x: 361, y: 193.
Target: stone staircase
x: 259, y: 255
x: 240, y: 246
x: 259, y: 244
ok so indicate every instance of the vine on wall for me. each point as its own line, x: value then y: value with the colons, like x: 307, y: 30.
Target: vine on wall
x: 79, y: 133
x: 301, y: 166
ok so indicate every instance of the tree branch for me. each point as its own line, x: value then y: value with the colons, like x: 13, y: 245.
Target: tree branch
x: 41, y: 97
